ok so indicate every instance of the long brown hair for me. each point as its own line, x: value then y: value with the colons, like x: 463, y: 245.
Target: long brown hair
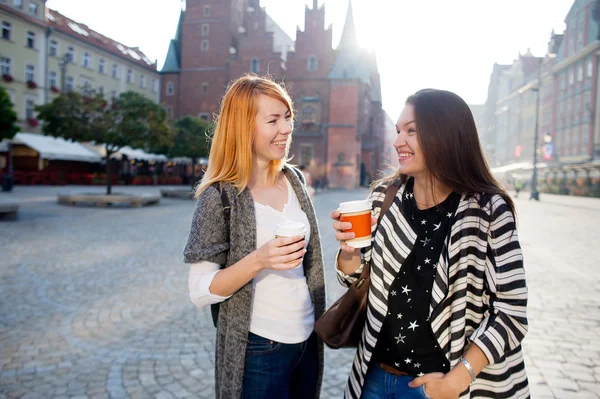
x: 448, y: 136
x: 230, y: 158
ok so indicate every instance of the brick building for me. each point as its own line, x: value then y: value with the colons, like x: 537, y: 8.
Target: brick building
x: 340, y: 125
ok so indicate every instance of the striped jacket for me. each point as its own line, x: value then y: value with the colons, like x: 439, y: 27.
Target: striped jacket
x: 479, y: 293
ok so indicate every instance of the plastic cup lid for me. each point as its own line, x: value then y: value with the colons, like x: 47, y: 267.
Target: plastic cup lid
x: 354, y: 206
x: 290, y: 229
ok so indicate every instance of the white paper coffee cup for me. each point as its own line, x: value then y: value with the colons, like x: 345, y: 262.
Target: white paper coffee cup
x: 290, y: 228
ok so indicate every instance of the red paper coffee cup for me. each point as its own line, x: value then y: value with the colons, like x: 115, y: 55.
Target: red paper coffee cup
x: 359, y: 214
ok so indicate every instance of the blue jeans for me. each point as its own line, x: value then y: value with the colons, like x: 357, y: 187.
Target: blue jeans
x: 280, y: 371
x: 380, y: 384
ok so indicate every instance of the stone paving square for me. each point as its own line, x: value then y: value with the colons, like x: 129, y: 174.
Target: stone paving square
x: 94, y: 300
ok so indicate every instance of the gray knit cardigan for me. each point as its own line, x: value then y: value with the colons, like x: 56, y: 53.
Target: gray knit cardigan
x: 208, y: 242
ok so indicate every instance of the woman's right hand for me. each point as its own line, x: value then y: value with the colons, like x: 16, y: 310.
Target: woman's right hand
x: 282, y: 253
x: 341, y: 233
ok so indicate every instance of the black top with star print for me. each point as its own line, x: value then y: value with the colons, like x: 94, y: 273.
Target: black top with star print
x: 406, y: 340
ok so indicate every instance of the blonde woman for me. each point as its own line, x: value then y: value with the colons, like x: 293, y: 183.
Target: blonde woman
x: 270, y: 290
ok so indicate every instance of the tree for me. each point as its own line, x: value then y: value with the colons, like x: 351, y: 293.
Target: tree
x: 8, y: 129
x: 191, y: 140
x: 129, y: 120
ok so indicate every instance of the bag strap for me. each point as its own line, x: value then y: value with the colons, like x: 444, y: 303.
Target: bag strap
x: 226, y: 206
x: 390, y: 194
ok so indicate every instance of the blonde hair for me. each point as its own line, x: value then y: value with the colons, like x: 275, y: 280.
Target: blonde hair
x: 230, y: 157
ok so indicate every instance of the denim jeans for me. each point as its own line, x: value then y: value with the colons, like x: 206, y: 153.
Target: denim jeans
x: 280, y: 371
x: 380, y: 384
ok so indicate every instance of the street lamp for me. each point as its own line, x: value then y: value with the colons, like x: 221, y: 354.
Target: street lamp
x: 63, y: 69
x: 535, y: 194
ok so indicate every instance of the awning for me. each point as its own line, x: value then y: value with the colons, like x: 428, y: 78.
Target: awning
x: 134, y: 153
x: 56, y: 148
x: 131, y: 153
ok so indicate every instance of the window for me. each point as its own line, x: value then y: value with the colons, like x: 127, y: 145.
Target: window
x: 70, y: 54
x: 312, y: 63
x: 6, y: 29
x: 207, y: 11
x: 308, y: 115
x: 580, y: 73
x: 170, y: 112
x: 341, y: 157
x: 101, y: 66
x: 33, y: 8
x: 254, y: 65
x: 204, y: 46
x: 170, y: 89
x: 18, y: 3
x: 205, y: 29
x: 30, y: 39
x: 29, y: 73
x: 571, y: 77
x: 52, y: 79
x: 204, y: 116
x: 129, y: 76
x: 86, y: 89
x: 5, y: 65
x: 69, y: 83
x: 307, y: 152
x: 87, y: 60
x: 204, y: 89
x: 154, y: 85
x: 590, y: 68
x: 115, y: 71
x: 53, y: 49
x: 29, y: 109
x: 101, y: 90
x: 142, y: 81
x: 113, y: 94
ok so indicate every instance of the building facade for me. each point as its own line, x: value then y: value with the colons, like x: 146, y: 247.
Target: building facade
x: 43, y: 53
x: 340, y: 126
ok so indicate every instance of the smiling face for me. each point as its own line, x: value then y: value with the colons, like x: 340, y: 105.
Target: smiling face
x: 273, y: 130
x: 410, y: 155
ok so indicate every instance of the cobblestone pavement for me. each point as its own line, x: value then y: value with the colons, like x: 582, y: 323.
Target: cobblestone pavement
x: 94, y: 300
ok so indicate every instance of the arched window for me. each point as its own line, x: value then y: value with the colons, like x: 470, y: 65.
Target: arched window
x: 170, y: 89
x: 312, y: 63
x: 254, y: 65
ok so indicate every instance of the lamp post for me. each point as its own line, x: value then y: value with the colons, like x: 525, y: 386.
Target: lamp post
x: 63, y: 70
x: 535, y: 194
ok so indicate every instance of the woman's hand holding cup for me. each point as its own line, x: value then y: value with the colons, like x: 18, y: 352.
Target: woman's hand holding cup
x: 282, y: 253
x: 353, y: 222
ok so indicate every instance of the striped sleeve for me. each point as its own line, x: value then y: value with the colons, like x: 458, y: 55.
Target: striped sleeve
x: 505, y: 326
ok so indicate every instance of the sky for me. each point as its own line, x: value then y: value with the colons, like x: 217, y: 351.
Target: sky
x: 441, y: 44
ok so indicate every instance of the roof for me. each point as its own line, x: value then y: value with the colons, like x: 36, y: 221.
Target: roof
x: 173, y: 59
x: 56, y: 148
x: 281, y: 41
x: 89, y: 36
x: 350, y: 59
x: 22, y: 15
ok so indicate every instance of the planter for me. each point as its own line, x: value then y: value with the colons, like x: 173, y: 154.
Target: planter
x: 31, y: 84
x: 33, y: 122
x: 7, y: 78
x: 55, y: 89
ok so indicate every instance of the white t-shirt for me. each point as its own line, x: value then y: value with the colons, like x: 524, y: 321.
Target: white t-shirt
x: 282, y: 309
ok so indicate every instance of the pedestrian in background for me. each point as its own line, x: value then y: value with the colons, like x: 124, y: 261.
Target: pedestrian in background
x: 447, y: 301
x: 270, y: 289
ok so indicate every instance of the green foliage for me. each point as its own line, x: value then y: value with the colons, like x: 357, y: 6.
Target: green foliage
x: 8, y: 117
x: 191, y: 138
x: 129, y: 120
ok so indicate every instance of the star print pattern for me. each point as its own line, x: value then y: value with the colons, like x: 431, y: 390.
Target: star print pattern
x: 406, y: 339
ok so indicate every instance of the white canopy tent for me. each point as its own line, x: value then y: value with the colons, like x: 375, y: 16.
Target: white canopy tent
x: 53, y: 148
